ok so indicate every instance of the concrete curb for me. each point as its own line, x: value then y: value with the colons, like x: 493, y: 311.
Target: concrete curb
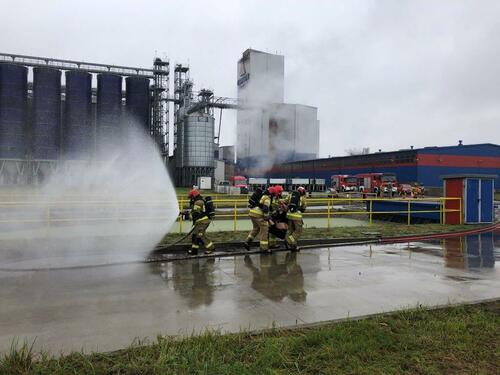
x: 305, y: 326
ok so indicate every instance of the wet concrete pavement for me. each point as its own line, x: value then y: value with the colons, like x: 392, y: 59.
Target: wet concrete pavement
x: 106, y: 308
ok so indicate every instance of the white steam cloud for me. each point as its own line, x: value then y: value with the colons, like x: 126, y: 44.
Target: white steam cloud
x: 269, y: 130
x: 110, y: 210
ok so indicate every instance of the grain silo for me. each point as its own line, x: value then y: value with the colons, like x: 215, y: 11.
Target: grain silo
x: 109, y: 111
x: 77, y: 129
x: 13, y: 121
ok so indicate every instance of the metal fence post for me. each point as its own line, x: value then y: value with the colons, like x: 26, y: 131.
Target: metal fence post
x: 180, y: 216
x: 329, y: 204
x: 441, y: 211
x: 371, y: 211
x: 235, y: 217
x: 409, y: 210
x: 460, y: 210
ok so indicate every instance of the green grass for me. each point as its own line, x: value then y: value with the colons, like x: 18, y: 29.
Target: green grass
x: 384, y: 229
x: 453, y: 340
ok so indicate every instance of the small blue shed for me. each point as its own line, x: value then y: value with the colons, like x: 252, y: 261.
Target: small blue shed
x: 477, y: 194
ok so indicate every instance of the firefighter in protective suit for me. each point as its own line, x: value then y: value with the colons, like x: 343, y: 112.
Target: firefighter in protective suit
x: 277, y: 207
x: 296, y: 206
x: 201, y: 221
x: 259, y: 214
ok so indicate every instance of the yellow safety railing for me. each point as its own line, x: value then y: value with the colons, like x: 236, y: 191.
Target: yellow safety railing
x: 324, y: 207
x: 226, y: 209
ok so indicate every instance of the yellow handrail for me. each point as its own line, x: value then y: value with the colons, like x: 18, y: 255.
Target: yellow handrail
x: 232, y: 208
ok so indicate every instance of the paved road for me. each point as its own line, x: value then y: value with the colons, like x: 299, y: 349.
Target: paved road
x: 105, y: 308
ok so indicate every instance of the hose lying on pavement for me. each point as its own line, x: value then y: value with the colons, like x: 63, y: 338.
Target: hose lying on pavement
x: 223, y: 254
x: 233, y: 252
x: 423, y: 237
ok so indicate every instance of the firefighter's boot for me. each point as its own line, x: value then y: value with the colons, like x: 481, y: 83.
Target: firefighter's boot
x: 209, y: 249
x: 248, y: 243
x: 194, y: 249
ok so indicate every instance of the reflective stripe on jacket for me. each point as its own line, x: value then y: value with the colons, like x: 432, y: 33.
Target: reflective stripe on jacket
x: 257, y: 211
x: 198, y: 211
x: 297, y: 215
x: 276, y: 204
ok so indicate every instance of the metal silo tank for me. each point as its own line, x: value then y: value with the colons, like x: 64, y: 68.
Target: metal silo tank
x: 77, y: 130
x: 198, y: 147
x: 109, y: 110
x: 138, y: 100
x: 13, y: 111
x: 46, y: 123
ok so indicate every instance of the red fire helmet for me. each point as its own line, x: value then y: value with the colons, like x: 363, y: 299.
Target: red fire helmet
x: 278, y: 190
x: 193, y: 193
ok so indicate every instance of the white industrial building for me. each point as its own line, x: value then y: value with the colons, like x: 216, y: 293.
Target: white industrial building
x: 270, y: 131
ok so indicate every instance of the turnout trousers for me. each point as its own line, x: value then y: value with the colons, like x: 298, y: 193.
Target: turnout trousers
x: 260, y: 230
x: 295, y: 228
x: 199, y: 237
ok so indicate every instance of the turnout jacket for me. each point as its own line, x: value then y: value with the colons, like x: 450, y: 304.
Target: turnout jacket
x: 262, y: 209
x: 301, y: 208
x: 198, y: 213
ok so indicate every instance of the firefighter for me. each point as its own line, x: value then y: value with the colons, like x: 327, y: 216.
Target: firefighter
x: 201, y: 220
x: 277, y: 201
x: 296, y: 206
x: 276, y: 208
x: 259, y: 214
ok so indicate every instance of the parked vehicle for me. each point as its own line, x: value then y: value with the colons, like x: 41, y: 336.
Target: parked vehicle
x: 405, y: 190
x: 389, y: 183
x: 377, y: 183
x: 239, y: 182
x: 344, y: 182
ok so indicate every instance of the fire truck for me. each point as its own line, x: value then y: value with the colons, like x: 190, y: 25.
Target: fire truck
x: 377, y: 183
x: 344, y: 182
x: 239, y: 182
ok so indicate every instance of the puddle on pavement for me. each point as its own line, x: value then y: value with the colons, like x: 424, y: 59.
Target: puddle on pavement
x: 110, y: 306
x: 280, y: 276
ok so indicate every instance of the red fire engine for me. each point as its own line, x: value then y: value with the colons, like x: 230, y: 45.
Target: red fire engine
x: 239, y: 181
x: 344, y: 182
x: 377, y: 182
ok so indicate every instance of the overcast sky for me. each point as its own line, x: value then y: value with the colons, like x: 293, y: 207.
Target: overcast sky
x: 384, y: 74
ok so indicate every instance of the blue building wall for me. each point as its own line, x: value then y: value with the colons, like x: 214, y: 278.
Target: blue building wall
x: 430, y: 176
x: 426, y: 171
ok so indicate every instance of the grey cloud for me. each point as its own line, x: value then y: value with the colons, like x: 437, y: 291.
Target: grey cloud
x: 384, y: 74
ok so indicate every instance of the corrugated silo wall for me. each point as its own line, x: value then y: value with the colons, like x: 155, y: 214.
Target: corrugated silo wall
x: 46, y: 120
x: 199, y: 141
x: 137, y: 98
x: 198, y: 147
x: 108, y: 111
x: 13, y: 111
x: 77, y: 129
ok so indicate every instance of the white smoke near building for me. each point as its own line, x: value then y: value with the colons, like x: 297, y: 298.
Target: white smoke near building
x: 269, y: 130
